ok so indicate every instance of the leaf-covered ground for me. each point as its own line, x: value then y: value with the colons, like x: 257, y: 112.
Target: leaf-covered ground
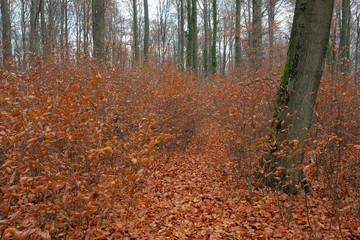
x: 197, y: 196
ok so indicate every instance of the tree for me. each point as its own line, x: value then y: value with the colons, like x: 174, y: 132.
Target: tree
x: 281, y: 164
x: 214, y: 39
x: 34, y: 23
x: 147, y: 30
x: 6, y: 30
x: 189, y: 36
x: 256, y: 33
x: 98, y: 16
x: 135, y: 32
x: 181, y: 34
x: 271, y: 23
x: 344, y: 45
x: 194, y: 37
x: 237, y: 33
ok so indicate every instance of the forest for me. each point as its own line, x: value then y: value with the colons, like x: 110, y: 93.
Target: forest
x: 179, y: 119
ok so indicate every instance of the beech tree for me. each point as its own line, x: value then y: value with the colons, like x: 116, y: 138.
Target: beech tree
x: 147, y: 30
x: 344, y: 44
x: 135, y: 32
x: 98, y: 14
x: 6, y: 30
x: 281, y: 164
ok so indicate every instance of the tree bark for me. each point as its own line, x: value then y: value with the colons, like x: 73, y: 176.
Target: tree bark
x: 195, y: 37
x: 281, y: 165
x: 189, y: 36
x: 344, y: 44
x: 182, y: 34
x: 98, y: 17
x: 206, y: 38
x: 271, y: 22
x: 6, y: 30
x: 135, y: 32
x: 147, y: 31
x: 34, y: 20
x: 237, y: 32
x: 214, y: 39
x: 256, y: 38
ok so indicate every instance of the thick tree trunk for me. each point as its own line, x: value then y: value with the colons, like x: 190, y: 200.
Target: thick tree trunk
x: 344, y: 44
x: 214, y: 39
x: 237, y: 33
x: 281, y: 165
x: 98, y: 16
x: 6, y: 30
x: 147, y: 31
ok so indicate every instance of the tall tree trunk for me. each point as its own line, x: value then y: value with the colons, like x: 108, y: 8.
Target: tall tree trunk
x: 135, y: 32
x: 214, y: 38
x: 281, y: 165
x: 182, y: 34
x: 256, y: 38
x: 195, y: 37
x: 271, y: 23
x: 237, y: 32
x: 23, y: 31
x: 344, y: 45
x: 189, y: 36
x: 98, y: 17
x: 206, y: 37
x: 147, y: 31
x: 34, y: 19
x: 44, y: 33
x: 6, y: 30
x: 357, y: 48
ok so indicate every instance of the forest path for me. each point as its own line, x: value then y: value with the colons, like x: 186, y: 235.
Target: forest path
x: 192, y: 197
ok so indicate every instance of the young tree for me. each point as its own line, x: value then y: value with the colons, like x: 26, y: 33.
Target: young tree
x: 147, y: 30
x: 281, y: 165
x: 271, y: 23
x: 98, y: 16
x: 6, y: 30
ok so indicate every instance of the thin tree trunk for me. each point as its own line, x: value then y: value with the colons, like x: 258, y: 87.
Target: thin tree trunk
x: 296, y: 97
x: 6, y: 31
x: 44, y: 33
x: 256, y: 38
x: 147, y: 31
x: 206, y: 37
x: 344, y: 45
x: 182, y: 33
x: 135, y: 32
x: 214, y: 38
x: 34, y: 19
x: 189, y: 41
x: 237, y: 32
x: 271, y: 22
x: 98, y: 17
x: 195, y: 37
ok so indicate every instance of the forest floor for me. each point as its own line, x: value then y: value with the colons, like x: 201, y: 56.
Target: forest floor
x: 198, y: 196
